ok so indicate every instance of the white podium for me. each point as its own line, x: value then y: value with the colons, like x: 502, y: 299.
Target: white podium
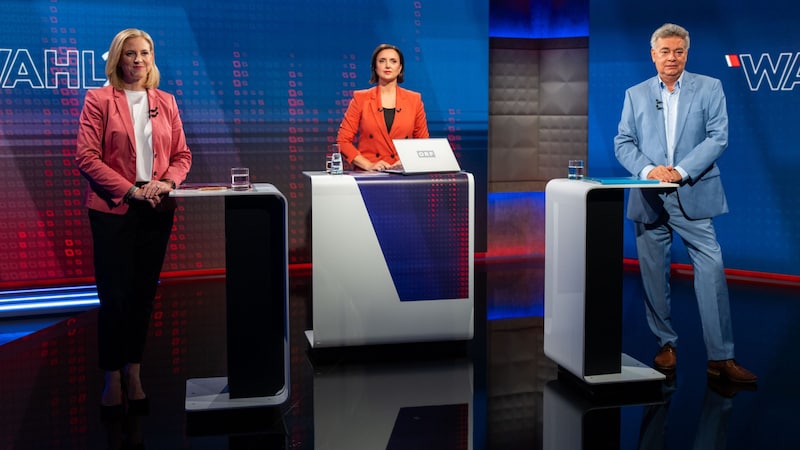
x: 392, y: 258
x: 257, y: 298
x: 583, y: 282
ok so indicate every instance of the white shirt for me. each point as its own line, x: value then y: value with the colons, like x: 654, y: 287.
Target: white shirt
x: 669, y: 105
x: 143, y: 128
x: 669, y: 102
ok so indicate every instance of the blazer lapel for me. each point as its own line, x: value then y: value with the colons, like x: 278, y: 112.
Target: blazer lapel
x: 658, y: 109
x: 153, y: 104
x: 688, y: 93
x: 376, y: 109
x: 121, y: 103
x: 404, y: 110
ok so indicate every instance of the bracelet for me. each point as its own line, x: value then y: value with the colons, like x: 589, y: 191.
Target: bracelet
x: 129, y: 194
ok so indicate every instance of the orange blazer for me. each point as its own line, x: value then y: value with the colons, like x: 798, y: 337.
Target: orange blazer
x: 106, y: 153
x: 364, y: 118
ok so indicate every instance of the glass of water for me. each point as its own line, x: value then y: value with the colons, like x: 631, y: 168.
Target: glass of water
x: 335, y: 166
x: 240, y: 178
x: 575, y: 169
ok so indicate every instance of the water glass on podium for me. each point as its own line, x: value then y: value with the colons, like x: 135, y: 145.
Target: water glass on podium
x: 575, y: 169
x: 334, y: 165
x: 240, y: 178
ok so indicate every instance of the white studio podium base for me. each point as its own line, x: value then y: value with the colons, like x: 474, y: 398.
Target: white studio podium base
x: 631, y: 371
x: 205, y: 394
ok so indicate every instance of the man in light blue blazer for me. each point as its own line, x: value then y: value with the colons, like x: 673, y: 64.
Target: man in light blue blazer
x: 674, y: 127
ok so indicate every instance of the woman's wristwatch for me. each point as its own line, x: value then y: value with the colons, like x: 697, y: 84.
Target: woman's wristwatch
x: 129, y: 194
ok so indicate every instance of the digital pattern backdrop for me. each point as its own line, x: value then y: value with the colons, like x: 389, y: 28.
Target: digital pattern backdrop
x: 260, y: 83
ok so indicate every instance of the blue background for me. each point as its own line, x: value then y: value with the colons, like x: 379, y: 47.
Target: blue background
x: 761, y: 232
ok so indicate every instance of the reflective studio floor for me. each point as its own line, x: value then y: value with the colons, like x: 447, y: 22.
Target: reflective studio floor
x: 498, y: 391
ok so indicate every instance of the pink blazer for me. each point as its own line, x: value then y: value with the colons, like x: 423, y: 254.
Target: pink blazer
x: 364, y: 117
x: 106, y: 153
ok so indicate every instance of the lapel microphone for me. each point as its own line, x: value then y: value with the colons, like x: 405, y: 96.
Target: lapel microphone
x: 154, y: 112
x: 659, y: 105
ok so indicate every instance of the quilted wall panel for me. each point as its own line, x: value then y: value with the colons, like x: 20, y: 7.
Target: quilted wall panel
x: 538, y: 106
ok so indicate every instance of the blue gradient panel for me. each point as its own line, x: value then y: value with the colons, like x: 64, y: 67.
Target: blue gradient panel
x: 423, y: 230
x: 539, y: 19
x: 753, y: 49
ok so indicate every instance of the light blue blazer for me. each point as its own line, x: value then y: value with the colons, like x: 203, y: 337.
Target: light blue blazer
x: 701, y: 135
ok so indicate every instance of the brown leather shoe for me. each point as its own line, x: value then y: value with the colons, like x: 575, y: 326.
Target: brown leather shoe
x: 665, y: 359
x: 731, y: 371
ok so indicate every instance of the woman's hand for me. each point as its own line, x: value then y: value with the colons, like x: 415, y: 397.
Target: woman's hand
x: 364, y: 163
x: 152, y: 192
x: 380, y: 165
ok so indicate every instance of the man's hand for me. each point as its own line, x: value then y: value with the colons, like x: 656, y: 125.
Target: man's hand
x: 667, y: 174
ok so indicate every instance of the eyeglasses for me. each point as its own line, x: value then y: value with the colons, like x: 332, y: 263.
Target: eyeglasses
x: 666, y: 53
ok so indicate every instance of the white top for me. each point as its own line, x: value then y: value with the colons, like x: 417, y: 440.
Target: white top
x: 143, y: 128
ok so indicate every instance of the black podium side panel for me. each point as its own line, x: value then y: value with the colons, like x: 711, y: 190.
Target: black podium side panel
x: 255, y: 258
x: 604, y: 221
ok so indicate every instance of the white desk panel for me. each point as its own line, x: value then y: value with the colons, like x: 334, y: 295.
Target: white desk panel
x: 354, y: 297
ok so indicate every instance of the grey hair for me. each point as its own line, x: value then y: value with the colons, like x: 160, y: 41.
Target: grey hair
x: 669, y: 30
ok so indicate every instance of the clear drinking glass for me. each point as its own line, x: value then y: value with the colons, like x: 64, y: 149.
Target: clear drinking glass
x: 335, y: 166
x: 240, y: 178
x: 575, y: 169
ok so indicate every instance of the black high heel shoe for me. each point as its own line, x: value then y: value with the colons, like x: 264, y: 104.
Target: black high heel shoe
x: 111, y: 413
x: 139, y: 407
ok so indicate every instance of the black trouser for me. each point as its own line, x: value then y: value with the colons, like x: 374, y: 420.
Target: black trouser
x: 129, y: 253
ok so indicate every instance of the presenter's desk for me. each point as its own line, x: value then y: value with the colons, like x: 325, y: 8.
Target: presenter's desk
x: 583, y: 281
x: 256, y: 286
x: 392, y: 258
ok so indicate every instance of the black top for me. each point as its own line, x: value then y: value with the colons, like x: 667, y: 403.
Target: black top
x: 388, y: 116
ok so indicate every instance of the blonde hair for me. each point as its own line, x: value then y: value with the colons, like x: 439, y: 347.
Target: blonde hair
x: 113, y: 71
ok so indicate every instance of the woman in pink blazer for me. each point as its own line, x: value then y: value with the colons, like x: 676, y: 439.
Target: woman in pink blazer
x: 132, y: 150
x: 380, y: 114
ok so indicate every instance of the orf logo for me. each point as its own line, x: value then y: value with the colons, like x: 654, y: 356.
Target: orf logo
x: 426, y: 153
x: 774, y: 73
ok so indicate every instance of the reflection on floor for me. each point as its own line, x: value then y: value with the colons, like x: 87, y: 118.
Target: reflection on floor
x: 497, y: 391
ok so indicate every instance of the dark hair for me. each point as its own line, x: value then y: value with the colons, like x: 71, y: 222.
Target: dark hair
x: 373, y: 78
